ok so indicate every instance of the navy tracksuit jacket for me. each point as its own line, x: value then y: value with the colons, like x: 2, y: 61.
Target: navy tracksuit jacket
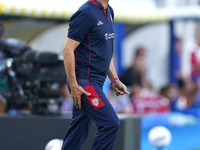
x: 92, y: 26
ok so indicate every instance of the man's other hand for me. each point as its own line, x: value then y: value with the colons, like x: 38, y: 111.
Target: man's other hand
x: 119, y: 88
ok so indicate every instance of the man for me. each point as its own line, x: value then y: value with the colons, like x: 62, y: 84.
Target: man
x: 87, y: 57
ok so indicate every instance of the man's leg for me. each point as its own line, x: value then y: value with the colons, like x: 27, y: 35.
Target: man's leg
x: 99, y: 109
x: 78, y: 130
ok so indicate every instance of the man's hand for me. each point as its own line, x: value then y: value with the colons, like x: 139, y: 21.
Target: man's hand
x: 76, y: 92
x: 119, y: 88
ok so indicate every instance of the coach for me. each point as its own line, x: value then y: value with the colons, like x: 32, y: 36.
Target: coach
x: 88, y: 60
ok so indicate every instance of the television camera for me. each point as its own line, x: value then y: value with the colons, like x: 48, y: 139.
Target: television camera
x: 32, y: 77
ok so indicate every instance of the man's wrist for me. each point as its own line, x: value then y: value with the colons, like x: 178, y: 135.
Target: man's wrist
x: 73, y: 84
x: 115, y: 79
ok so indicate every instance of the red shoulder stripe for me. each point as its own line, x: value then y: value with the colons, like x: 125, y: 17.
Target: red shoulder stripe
x: 94, y: 3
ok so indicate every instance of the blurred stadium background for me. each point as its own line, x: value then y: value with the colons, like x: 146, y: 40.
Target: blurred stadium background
x: 157, y: 55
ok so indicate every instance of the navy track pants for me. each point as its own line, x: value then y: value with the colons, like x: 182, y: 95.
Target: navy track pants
x: 95, y: 108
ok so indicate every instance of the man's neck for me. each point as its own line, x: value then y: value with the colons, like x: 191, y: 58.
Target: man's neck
x: 104, y: 3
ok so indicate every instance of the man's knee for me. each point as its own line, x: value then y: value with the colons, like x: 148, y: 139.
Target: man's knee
x: 117, y: 124
x: 114, y: 124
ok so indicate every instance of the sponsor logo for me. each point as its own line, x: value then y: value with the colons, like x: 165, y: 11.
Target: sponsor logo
x: 109, y: 36
x: 111, y: 18
x: 95, y: 101
x: 99, y: 23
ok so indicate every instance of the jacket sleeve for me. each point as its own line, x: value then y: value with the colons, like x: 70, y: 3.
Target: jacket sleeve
x: 79, y: 26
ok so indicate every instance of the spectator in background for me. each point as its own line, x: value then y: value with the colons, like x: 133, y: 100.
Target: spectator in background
x: 3, y: 104
x: 170, y: 92
x: 195, y: 61
x: 145, y: 101
x: 66, y: 104
x: 188, y: 91
x: 137, y: 71
x: 167, y: 91
x: 178, y: 57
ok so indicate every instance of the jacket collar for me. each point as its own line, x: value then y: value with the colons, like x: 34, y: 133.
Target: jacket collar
x: 97, y: 3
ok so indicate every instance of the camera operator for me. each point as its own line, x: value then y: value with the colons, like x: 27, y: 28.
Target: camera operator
x: 10, y: 49
x: 3, y: 85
